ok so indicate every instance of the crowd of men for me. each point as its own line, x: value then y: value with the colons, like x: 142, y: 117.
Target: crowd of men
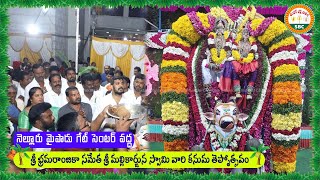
x: 43, y: 97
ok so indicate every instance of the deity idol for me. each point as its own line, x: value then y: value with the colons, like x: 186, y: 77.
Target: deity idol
x: 240, y: 70
x: 217, y: 42
x: 244, y: 51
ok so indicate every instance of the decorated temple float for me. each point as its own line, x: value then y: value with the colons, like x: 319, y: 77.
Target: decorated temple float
x: 231, y: 62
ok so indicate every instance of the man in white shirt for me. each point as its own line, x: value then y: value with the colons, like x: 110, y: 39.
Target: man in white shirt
x: 71, y: 77
x: 24, y: 80
x: 54, y: 96
x: 52, y: 62
x: 56, y: 70
x: 97, y: 86
x: 38, y: 81
x: 89, y: 95
x: 136, y: 97
x: 136, y: 94
x: 112, y: 99
x: 41, y: 119
x: 137, y: 70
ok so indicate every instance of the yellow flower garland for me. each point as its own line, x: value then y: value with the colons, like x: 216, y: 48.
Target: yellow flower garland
x: 286, y: 69
x: 236, y: 55
x: 204, y: 19
x: 184, y: 27
x: 177, y: 39
x: 280, y: 167
x: 166, y: 63
x: 255, y: 23
x: 214, y: 55
x: 219, y: 12
x: 286, y: 122
x: 285, y: 42
x: 249, y: 15
x: 214, y: 52
x: 175, y: 111
x: 275, y: 29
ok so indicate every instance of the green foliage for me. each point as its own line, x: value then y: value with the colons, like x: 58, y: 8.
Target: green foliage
x: 306, y: 107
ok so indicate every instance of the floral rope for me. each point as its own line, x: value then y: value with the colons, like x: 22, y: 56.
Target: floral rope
x: 177, y: 69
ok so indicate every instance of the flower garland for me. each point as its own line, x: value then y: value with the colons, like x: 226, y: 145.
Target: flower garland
x: 177, y: 63
x: 236, y: 55
x: 212, y: 47
x: 197, y: 93
x: 201, y: 22
x: 284, y: 68
x: 258, y: 26
x: 234, y: 142
x: 285, y: 55
x: 154, y: 40
x: 177, y: 39
x: 275, y: 29
x: 268, y: 130
x: 283, y: 154
x: 197, y: 69
x: 184, y: 27
x: 197, y: 129
x: 281, y: 137
x: 173, y: 82
x: 271, y: 33
x: 286, y: 92
x: 176, y: 111
x: 173, y: 96
x: 233, y: 15
x: 264, y: 97
x: 277, y: 43
x: 287, y: 121
x: 175, y: 107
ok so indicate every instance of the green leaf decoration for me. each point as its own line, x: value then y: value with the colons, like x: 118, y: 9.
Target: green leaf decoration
x: 19, y: 147
x: 260, y: 147
x: 26, y: 149
x: 27, y: 155
x: 253, y: 155
x: 253, y: 148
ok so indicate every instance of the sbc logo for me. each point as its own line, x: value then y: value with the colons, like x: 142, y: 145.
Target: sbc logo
x: 299, y: 18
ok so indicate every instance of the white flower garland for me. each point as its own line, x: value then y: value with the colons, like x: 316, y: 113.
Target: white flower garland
x: 176, y: 130
x: 282, y: 137
x: 302, y: 62
x: 176, y: 51
x: 204, y: 121
x: 233, y: 143
x: 262, y: 97
x: 284, y: 55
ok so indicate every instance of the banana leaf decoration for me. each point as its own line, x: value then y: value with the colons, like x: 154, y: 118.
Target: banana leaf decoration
x: 257, y: 152
x: 63, y: 57
x: 88, y: 69
x: 21, y: 152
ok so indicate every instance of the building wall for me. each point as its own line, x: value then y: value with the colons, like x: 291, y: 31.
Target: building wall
x: 72, y: 18
x: 61, y: 32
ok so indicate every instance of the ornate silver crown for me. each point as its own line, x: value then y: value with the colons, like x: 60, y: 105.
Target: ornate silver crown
x: 221, y: 24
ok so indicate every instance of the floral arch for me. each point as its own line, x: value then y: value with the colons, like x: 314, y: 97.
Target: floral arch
x: 274, y: 104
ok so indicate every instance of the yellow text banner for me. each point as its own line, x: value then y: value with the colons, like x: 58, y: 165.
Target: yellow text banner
x: 77, y: 159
